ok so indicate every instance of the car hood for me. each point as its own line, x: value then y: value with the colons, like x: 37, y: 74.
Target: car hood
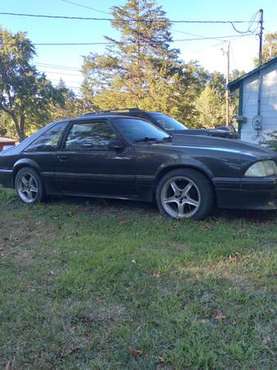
x: 207, y: 132
x: 220, y: 144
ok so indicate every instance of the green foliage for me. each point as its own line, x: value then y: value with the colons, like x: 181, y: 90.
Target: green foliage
x: 217, y: 82
x: 73, y: 104
x: 211, y: 107
x: 6, y: 126
x: 141, y: 69
x: 25, y: 94
x: 269, y: 48
x: 236, y: 74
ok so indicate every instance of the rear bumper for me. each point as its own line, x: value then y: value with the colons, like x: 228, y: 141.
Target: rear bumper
x: 246, y: 193
x: 6, y: 178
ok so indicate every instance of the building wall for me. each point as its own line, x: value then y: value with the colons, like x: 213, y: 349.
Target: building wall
x: 6, y: 143
x: 268, y: 105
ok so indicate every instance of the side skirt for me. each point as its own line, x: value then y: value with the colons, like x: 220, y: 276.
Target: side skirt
x: 100, y: 196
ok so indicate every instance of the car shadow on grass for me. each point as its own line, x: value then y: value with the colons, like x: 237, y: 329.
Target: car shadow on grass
x: 149, y: 208
x: 116, y: 206
x: 258, y: 216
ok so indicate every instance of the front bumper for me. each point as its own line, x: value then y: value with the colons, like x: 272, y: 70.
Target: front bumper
x: 6, y: 178
x: 246, y: 193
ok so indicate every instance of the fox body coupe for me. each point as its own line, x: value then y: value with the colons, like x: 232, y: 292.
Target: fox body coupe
x: 129, y: 158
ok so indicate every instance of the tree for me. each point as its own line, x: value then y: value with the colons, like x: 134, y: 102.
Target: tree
x: 25, y: 94
x: 141, y: 69
x: 211, y: 107
x: 236, y: 74
x: 269, y: 48
x: 73, y: 104
x: 3, y: 124
x: 217, y: 82
x: 143, y: 46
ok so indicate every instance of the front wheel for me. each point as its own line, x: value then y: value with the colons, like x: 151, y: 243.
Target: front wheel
x: 28, y: 186
x: 185, y: 193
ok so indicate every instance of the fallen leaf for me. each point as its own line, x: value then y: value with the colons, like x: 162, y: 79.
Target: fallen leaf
x: 161, y: 360
x: 218, y: 315
x: 123, y: 222
x: 156, y: 274
x: 10, y: 364
x: 266, y: 340
x: 233, y: 257
x: 135, y: 352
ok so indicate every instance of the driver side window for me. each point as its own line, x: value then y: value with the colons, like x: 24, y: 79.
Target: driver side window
x: 89, y: 136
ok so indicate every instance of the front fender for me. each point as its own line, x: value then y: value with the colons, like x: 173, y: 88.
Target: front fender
x: 186, y: 163
x: 25, y: 162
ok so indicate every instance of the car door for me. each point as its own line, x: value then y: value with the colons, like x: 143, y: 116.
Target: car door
x: 90, y: 165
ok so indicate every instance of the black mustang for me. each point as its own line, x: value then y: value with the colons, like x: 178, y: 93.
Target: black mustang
x: 129, y: 158
x: 172, y: 126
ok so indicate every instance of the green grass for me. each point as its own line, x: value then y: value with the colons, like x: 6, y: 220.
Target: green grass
x: 113, y: 285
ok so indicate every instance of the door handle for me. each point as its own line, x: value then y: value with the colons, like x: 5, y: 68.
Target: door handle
x: 63, y: 157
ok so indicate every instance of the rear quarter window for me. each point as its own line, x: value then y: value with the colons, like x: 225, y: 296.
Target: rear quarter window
x: 49, y: 140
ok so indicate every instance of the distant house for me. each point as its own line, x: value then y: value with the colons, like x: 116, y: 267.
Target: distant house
x: 4, y: 141
x: 257, y: 102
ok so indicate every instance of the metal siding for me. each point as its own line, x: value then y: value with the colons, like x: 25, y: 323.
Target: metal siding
x: 268, y: 105
x: 249, y: 109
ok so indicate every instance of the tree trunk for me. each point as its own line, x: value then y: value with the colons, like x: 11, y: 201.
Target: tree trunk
x: 21, y: 132
x: 19, y: 126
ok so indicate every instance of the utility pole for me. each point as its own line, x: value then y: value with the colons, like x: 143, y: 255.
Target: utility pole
x: 257, y: 121
x: 227, y: 100
x: 260, y: 34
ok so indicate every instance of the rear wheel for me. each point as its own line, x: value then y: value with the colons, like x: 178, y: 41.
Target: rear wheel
x: 185, y: 193
x: 29, y: 186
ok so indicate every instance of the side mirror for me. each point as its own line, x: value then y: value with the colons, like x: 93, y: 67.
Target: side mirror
x: 117, y: 145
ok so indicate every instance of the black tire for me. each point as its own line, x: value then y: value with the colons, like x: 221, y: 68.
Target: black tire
x: 36, y: 184
x: 201, y: 186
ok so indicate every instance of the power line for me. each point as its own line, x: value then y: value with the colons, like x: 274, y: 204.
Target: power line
x: 55, y: 16
x: 214, y: 37
x: 85, y: 6
x: 187, y: 33
x: 58, y: 66
x: 129, y: 20
x: 252, y: 21
x: 63, y: 73
x: 108, y: 43
x: 70, y: 43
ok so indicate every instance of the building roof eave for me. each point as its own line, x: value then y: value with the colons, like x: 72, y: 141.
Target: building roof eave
x: 233, y: 85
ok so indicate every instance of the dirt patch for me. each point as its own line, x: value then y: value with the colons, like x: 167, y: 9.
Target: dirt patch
x: 21, y: 235
x: 24, y: 259
x: 103, y: 313
x: 239, y: 281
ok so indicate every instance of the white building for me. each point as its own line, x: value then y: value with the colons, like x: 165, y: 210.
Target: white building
x: 258, y: 102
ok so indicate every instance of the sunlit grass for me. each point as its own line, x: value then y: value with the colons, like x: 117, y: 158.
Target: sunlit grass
x: 113, y: 285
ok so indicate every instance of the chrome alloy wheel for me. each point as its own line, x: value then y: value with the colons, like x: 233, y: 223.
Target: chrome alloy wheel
x: 180, y: 197
x: 28, y: 188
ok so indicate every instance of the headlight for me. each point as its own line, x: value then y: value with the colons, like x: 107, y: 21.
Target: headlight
x: 262, y: 169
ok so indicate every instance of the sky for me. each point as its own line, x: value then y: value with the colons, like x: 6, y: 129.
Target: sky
x: 65, y: 61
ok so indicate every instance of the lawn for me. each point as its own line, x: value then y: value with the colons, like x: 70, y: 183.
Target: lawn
x: 113, y: 285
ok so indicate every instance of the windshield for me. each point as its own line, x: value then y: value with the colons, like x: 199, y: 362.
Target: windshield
x: 136, y: 130
x: 167, y: 123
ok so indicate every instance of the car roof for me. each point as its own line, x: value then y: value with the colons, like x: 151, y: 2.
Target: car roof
x: 89, y: 116
x: 125, y: 112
